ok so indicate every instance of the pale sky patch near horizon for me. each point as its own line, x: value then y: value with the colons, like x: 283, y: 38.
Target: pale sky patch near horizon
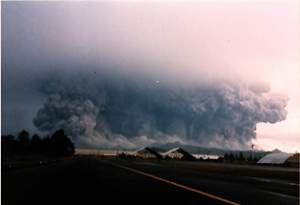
x: 249, y: 40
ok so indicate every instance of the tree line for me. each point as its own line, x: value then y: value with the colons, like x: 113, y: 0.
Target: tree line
x: 240, y: 157
x: 57, y: 145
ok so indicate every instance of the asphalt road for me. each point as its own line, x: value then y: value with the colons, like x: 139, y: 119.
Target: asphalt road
x: 91, y: 180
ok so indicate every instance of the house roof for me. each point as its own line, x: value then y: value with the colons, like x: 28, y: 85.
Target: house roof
x: 275, y: 158
x: 149, y: 150
x: 180, y: 150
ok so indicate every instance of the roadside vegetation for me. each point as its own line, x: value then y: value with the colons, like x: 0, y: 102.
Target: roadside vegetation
x: 57, y: 145
x: 240, y: 158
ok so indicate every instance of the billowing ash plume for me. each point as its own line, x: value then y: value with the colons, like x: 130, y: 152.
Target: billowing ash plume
x: 119, y: 112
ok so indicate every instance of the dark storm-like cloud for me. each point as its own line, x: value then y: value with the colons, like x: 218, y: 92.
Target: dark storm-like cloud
x: 105, y: 111
x: 154, y: 88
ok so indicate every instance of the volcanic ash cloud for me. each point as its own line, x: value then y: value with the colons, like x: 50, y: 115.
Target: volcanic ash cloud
x: 124, y: 113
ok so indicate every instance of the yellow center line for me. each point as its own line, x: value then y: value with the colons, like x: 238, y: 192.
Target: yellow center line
x: 176, y: 184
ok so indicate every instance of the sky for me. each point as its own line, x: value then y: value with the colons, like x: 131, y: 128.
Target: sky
x: 256, y: 42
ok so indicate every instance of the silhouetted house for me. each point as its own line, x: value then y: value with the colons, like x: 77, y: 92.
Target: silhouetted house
x: 147, y: 153
x: 275, y: 158
x: 178, y: 153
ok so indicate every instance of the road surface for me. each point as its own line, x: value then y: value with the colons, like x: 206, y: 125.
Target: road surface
x: 90, y: 180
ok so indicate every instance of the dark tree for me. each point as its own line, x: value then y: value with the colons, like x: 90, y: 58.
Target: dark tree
x: 36, y: 144
x: 23, y: 141
x: 23, y: 137
x: 231, y: 157
x: 241, y: 157
x: 226, y: 156
x: 61, y: 145
x: 45, y: 145
x: 58, y: 145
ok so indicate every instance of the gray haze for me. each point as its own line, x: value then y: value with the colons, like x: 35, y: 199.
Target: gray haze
x: 81, y: 67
